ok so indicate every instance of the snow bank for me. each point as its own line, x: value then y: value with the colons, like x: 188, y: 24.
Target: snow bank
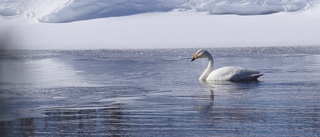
x: 103, y: 24
x: 54, y: 11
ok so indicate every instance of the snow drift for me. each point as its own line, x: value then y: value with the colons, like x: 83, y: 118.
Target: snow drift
x: 106, y: 24
x: 74, y: 10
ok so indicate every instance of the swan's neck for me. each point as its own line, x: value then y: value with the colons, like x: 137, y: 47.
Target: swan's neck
x: 208, y: 70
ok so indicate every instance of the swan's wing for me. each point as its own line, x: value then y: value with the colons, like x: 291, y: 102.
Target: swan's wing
x: 245, y: 74
x: 233, y: 74
x: 224, y: 73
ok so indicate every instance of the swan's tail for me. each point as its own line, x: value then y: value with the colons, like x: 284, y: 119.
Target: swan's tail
x: 255, y: 76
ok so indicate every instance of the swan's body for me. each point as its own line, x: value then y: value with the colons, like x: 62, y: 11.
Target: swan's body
x: 224, y: 73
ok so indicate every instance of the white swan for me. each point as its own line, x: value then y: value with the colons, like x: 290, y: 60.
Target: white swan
x: 224, y: 73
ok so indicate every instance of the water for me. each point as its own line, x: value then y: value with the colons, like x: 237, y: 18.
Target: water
x: 157, y: 93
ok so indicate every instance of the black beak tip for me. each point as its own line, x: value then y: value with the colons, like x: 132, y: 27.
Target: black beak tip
x: 193, y: 59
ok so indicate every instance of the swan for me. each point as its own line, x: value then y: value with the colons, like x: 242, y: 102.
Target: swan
x: 231, y: 73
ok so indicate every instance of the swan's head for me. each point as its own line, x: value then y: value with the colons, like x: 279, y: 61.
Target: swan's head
x: 201, y: 53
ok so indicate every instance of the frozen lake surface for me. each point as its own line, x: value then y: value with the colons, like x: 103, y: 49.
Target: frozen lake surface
x: 157, y: 93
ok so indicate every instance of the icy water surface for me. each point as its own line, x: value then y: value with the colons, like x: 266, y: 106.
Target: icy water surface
x: 157, y: 93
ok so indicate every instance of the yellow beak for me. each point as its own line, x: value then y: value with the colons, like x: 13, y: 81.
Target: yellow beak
x: 195, y: 57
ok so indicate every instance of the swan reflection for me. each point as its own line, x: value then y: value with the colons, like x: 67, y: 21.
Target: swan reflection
x: 224, y: 105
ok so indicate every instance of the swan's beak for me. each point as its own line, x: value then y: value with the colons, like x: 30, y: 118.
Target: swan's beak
x: 195, y: 57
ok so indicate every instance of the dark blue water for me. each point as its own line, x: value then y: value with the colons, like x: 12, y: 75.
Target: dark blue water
x: 157, y: 93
